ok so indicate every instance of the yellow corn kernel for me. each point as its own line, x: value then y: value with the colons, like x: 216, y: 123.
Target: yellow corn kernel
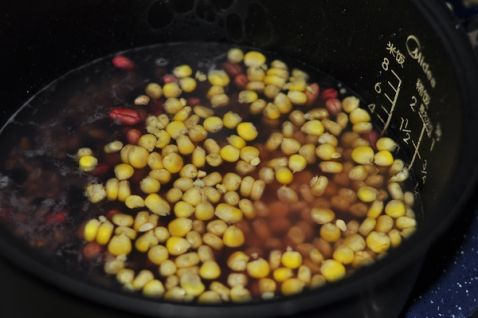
x: 177, y: 245
x: 154, y: 90
x: 121, y: 219
x: 198, y: 158
x: 180, y: 226
x: 162, y: 175
x: 405, y: 222
x: 134, y: 201
x: 257, y: 106
x: 250, y: 154
x: 322, y: 215
x: 157, y: 205
x: 233, y: 237
x: 182, y: 71
x: 123, y: 171
x: 154, y: 289
x: 395, y: 208
x: 239, y: 294
x: 219, y: 100
x: 95, y: 192
x: 176, y: 128
x: 158, y: 254
x: 155, y: 161
x: 193, y: 196
x: 197, y: 133
x: 147, y: 141
x: 330, y: 232
x: 375, y: 209
x: 183, y: 209
x: 171, y: 90
x: 386, y: 143
x: 378, y: 242
x: 271, y: 111
x: 149, y: 185
x: 91, y: 229
x: 344, y: 255
x: 332, y: 270
x: 229, y: 153
x: 188, y: 84
x: 183, y: 115
x: 284, y: 175
x: 173, y: 162
x: 282, y: 273
x: 350, y: 103
x: 228, y: 213
x: 274, y: 80
x: 367, y: 194
x: 297, y: 97
x: 231, y: 181
x: 355, y: 242
x: 111, y: 188
x: 213, y: 241
x: 138, y: 157
x: 395, y: 237
x: 291, y: 259
x: 209, y: 270
x: 185, y: 145
x: 88, y: 163
x: 237, y: 261
x: 267, y: 288
x: 383, y: 158
x: 326, y: 152
x: 359, y: 115
x: 218, y: 78
x: 119, y: 245
x: 254, y: 59
x: 236, y: 141
x: 124, y: 190
x: 247, y: 97
x: 247, y: 131
x: 142, y: 100
x: 213, y: 124
x: 163, y: 139
x: 362, y: 154
x: 258, y: 268
x: 204, y: 211
x: 297, y: 163
x: 313, y: 127
x: 161, y: 233
x: 103, y: 235
x: 384, y: 224
x: 331, y: 167
x: 292, y: 286
x: 235, y: 55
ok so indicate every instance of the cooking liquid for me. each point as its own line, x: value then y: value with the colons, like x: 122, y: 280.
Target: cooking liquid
x: 41, y: 187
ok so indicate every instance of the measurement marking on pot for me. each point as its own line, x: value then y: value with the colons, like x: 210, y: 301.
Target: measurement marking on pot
x: 393, y: 101
x: 416, y: 153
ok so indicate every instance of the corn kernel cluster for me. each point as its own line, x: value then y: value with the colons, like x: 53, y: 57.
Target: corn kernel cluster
x: 204, y: 179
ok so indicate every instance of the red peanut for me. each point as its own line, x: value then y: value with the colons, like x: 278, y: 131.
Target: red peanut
x: 56, y: 218
x: 100, y: 169
x: 168, y: 78
x: 133, y: 136
x: 240, y: 80
x: 312, y: 93
x: 125, y: 116
x: 232, y: 69
x: 333, y: 105
x: 329, y: 93
x: 91, y: 250
x: 122, y: 62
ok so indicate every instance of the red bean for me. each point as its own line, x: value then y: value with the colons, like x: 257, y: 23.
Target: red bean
x: 232, y: 69
x: 168, y: 78
x: 125, y: 116
x: 333, y: 105
x: 100, y: 169
x: 123, y: 63
x: 56, y: 218
x: 133, y: 136
x: 371, y: 136
x: 240, y: 80
x: 91, y: 250
x: 312, y: 93
x: 111, y: 213
x: 193, y: 101
x: 329, y: 93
